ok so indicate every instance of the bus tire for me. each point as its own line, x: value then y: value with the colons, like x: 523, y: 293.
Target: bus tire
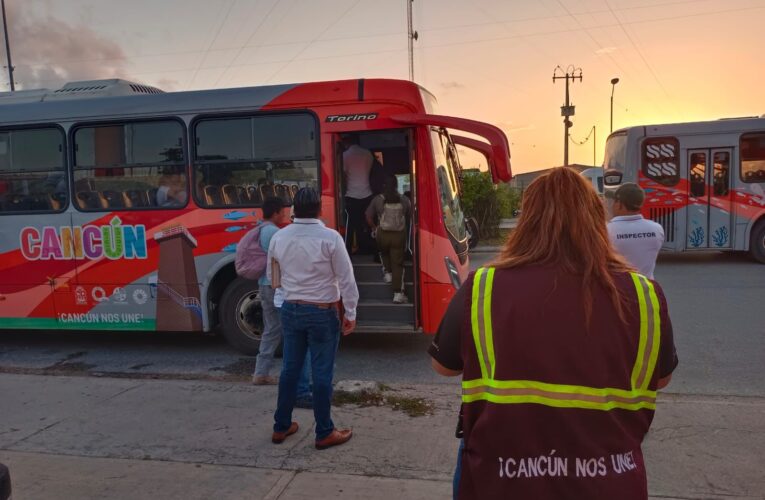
x: 757, y: 242
x: 241, y: 318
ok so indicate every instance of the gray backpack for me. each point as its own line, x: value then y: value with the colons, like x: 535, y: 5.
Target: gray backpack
x: 393, y: 217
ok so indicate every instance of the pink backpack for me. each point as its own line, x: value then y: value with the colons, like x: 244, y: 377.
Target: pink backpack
x: 251, y: 259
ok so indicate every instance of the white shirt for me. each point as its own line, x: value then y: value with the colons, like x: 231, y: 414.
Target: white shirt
x: 637, y: 239
x: 314, y: 265
x: 357, y: 163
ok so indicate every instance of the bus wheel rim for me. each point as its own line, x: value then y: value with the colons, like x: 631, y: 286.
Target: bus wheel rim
x: 243, y: 319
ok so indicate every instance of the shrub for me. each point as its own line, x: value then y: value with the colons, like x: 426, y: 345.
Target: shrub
x: 482, y: 200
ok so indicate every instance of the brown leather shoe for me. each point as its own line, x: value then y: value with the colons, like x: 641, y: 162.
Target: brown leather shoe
x: 279, y: 437
x: 335, y: 438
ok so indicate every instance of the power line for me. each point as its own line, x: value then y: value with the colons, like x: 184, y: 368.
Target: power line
x: 246, y: 43
x: 212, y: 42
x: 332, y: 25
x: 640, y: 52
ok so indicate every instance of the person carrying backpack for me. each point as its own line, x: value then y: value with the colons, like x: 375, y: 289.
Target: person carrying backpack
x: 251, y: 261
x: 392, y: 212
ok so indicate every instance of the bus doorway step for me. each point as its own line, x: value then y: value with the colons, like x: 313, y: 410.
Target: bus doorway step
x: 384, y: 327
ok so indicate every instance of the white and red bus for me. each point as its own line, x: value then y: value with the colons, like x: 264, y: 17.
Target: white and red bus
x: 704, y: 181
x: 121, y: 205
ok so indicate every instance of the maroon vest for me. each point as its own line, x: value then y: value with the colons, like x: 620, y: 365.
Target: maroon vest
x: 560, y: 416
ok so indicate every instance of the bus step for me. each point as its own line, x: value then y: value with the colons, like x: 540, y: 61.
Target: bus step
x: 381, y: 291
x: 384, y: 311
x: 384, y: 327
x: 372, y: 273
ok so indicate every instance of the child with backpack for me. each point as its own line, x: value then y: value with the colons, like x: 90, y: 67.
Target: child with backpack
x: 392, y: 211
x: 251, y: 260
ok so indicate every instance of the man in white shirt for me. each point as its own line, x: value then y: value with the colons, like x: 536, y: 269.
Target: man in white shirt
x: 637, y: 239
x: 311, y: 265
x: 357, y: 165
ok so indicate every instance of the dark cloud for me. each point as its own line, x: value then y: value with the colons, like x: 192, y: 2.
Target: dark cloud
x: 48, y: 52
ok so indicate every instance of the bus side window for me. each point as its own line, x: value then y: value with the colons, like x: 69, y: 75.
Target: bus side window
x: 753, y: 157
x: 130, y: 166
x: 32, y: 176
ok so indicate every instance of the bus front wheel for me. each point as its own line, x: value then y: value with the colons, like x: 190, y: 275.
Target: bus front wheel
x: 757, y: 243
x: 241, y: 317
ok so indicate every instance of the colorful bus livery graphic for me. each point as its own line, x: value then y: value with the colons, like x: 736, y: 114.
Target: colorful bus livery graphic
x: 113, y: 241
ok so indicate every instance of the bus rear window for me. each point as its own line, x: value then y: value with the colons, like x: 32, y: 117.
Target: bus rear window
x: 753, y: 157
x: 660, y: 160
x: 32, y: 176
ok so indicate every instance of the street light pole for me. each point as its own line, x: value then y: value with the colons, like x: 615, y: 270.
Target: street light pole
x: 614, y: 81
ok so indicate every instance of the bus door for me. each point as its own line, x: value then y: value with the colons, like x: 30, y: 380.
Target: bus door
x: 393, y: 158
x: 709, y: 213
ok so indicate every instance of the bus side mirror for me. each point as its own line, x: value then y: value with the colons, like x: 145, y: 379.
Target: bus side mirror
x: 612, y: 177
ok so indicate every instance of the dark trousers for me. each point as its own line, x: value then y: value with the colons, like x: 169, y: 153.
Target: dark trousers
x: 307, y: 328
x: 391, y: 245
x: 357, y: 225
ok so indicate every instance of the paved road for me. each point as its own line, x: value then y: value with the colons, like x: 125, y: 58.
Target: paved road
x: 717, y: 303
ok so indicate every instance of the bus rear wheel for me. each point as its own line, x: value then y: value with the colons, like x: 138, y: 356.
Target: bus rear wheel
x: 241, y: 317
x: 757, y: 243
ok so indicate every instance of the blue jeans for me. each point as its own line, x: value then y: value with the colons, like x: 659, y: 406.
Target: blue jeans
x: 313, y: 330
x: 272, y: 336
x: 458, y: 471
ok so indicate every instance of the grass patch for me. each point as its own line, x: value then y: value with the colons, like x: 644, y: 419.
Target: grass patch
x: 414, y: 407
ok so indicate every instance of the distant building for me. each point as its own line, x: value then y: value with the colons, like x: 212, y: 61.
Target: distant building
x: 522, y: 181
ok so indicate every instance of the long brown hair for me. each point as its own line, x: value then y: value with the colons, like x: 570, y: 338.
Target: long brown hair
x: 563, y: 224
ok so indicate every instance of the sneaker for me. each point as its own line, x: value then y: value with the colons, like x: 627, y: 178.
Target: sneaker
x: 305, y: 402
x: 264, y: 380
x: 388, y: 277
x: 400, y: 298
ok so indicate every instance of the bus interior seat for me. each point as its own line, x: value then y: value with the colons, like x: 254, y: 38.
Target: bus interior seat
x: 213, y: 195
x: 53, y: 202
x: 151, y: 197
x: 266, y: 191
x: 135, y: 198
x: 294, y: 188
x: 241, y: 194
x: 89, y: 200
x: 283, y: 192
x: 253, y: 193
x: 230, y: 196
x: 112, y: 199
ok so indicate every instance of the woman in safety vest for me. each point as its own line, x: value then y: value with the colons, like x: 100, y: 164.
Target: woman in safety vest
x: 562, y: 347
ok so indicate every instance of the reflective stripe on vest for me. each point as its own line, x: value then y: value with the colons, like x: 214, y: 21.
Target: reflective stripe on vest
x: 561, y: 395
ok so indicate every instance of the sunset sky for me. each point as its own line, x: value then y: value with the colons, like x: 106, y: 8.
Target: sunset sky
x: 490, y: 60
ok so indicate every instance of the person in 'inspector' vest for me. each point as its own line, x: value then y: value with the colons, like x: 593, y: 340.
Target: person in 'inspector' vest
x: 562, y: 348
x: 637, y: 239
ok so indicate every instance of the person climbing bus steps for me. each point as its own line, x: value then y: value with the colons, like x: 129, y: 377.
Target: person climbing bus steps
x: 392, y: 211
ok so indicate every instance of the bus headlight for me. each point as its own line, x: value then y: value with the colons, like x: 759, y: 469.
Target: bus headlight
x: 454, y: 274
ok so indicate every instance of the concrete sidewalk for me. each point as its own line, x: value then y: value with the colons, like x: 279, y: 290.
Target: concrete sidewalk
x: 80, y: 437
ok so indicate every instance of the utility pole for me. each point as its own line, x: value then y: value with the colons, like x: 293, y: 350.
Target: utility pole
x: 8, y: 49
x: 411, y: 36
x: 567, y: 110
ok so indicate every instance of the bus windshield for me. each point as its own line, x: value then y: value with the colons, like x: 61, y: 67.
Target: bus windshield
x: 448, y: 179
x: 616, y: 152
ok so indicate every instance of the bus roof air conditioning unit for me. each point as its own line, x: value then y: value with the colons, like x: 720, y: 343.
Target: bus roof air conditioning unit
x: 101, y: 88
